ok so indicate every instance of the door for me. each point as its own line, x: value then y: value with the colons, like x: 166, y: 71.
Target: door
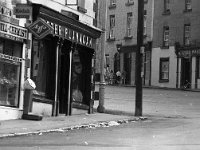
x: 127, y: 67
x: 186, y: 73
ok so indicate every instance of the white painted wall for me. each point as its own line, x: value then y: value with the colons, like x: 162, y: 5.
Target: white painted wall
x: 7, y: 113
x: 59, y: 5
x: 158, y: 53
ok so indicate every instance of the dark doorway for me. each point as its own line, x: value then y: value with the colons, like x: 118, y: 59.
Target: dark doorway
x: 186, y: 73
x: 64, y: 78
x: 127, y: 67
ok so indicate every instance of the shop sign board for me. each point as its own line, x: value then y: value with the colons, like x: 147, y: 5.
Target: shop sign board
x: 11, y: 58
x: 70, y: 34
x: 40, y: 28
x: 189, y: 53
x: 22, y: 11
x: 12, y: 32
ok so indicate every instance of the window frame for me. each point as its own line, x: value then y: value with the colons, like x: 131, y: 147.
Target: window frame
x: 145, y: 23
x: 188, y: 5
x: 164, y: 60
x: 166, y: 5
x: 129, y: 23
x: 166, y: 36
x: 187, y: 35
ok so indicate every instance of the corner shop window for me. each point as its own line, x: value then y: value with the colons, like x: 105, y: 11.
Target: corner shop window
x: 10, y: 63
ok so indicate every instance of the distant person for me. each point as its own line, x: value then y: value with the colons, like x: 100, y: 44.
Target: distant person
x: 124, y: 77
x: 118, y: 74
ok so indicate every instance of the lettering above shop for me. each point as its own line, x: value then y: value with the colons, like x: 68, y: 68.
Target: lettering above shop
x: 13, y: 32
x: 189, y: 53
x: 41, y: 28
x: 70, y: 34
x: 11, y: 58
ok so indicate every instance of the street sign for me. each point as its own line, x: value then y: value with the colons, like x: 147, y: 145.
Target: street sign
x: 40, y: 28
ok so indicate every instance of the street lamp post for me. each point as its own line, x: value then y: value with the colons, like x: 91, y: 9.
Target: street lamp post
x: 138, y: 77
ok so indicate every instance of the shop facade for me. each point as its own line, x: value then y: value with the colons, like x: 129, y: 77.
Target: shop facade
x: 188, y: 71
x: 127, y: 58
x: 13, y: 39
x: 62, y: 63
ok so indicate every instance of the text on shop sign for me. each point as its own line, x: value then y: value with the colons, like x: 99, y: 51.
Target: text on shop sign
x: 70, y: 34
x: 13, y: 30
x: 12, y: 58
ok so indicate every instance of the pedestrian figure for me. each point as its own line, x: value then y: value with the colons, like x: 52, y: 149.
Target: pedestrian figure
x: 118, y: 74
x: 124, y: 77
x: 111, y: 77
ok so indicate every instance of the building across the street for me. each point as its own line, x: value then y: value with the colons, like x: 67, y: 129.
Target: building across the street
x: 176, y: 44
x: 121, y: 39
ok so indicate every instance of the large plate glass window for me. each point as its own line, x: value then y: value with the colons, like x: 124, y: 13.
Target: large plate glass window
x: 10, y: 63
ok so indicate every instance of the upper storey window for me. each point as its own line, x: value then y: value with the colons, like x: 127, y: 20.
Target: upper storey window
x: 80, y: 5
x: 166, y: 7
x: 112, y: 4
x: 188, y: 5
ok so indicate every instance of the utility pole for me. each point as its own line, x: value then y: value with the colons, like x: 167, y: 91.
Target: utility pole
x: 138, y: 76
x: 102, y: 19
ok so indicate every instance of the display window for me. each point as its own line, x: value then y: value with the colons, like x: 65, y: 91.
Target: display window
x: 10, y: 64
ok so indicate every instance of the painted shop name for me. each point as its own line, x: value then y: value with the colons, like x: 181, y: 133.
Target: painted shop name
x: 70, y: 34
x: 11, y: 58
x: 13, y: 30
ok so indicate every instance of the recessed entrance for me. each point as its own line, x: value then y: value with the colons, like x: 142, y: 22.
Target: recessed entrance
x: 186, y: 73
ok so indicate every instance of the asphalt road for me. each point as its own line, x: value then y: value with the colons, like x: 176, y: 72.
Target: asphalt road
x: 173, y: 124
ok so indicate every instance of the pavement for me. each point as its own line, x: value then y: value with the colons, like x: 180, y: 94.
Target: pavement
x: 119, y: 108
x: 21, y: 127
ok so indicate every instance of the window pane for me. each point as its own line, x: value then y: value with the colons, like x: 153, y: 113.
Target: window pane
x: 9, y: 83
x: 164, y: 69
x: 10, y: 56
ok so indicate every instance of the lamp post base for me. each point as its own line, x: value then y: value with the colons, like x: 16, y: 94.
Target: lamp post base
x: 101, y: 108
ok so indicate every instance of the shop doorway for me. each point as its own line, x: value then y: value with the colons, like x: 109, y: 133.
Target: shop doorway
x: 186, y: 73
x: 64, y: 80
x: 127, y: 67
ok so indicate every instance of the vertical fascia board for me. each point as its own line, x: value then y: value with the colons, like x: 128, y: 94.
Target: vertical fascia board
x: 21, y: 98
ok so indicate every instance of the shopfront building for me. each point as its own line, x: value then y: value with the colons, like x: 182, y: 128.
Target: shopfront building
x: 188, y: 67
x: 12, y: 46
x: 127, y: 64
x: 62, y: 63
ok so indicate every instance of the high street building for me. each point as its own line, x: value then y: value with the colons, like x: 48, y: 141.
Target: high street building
x: 176, y: 44
x: 121, y: 39
x: 53, y: 43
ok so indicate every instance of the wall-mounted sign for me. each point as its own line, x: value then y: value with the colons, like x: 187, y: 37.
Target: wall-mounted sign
x: 40, y: 28
x: 11, y: 58
x: 189, y: 53
x: 22, y: 11
x: 70, y: 34
x: 12, y: 32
